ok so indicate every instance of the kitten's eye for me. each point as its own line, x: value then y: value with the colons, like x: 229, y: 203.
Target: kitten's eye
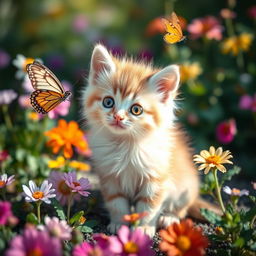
x: 108, y: 102
x: 136, y: 109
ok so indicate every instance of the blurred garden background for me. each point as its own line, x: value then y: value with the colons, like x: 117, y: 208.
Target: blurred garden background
x: 217, y: 60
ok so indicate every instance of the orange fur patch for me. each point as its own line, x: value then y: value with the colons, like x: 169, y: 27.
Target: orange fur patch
x: 114, y: 196
x: 94, y: 97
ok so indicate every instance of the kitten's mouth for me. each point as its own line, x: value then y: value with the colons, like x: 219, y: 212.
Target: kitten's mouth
x: 117, y: 125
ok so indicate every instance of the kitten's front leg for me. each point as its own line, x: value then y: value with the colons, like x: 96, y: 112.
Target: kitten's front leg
x: 117, y: 205
x: 150, y: 200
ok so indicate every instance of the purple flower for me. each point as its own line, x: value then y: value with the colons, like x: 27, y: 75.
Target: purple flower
x: 56, y: 62
x: 3, y: 155
x: 88, y: 249
x: 248, y: 102
x: 226, y: 131
x: 58, y: 228
x: 5, y: 212
x: 34, y: 242
x: 4, y: 59
x: 235, y: 191
x: 77, y: 186
x: 80, y: 23
x: 145, y: 55
x: 5, y: 180
x: 131, y: 243
x: 7, y: 96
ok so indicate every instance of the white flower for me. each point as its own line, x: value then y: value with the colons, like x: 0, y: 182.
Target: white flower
x: 21, y: 63
x: 5, y: 181
x: 34, y: 193
x: 58, y: 228
x: 235, y: 191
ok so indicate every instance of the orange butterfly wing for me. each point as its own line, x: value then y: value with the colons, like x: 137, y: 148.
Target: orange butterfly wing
x: 173, y: 29
x: 44, y: 101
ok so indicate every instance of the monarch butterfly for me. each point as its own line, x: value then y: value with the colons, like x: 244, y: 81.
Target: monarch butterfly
x: 173, y: 29
x: 49, y: 92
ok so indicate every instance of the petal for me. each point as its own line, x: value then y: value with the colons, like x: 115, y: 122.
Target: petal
x: 221, y: 168
x: 212, y: 150
x: 123, y: 234
x: 32, y: 186
x: 227, y: 190
x: 205, y: 153
x: 219, y: 151
x: 26, y: 190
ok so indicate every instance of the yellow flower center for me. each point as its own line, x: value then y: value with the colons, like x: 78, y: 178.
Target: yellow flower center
x: 38, y: 195
x: 26, y: 62
x: 236, y: 191
x: 183, y: 243
x: 82, y: 220
x: 2, y: 183
x: 33, y: 116
x: 76, y: 183
x: 131, y: 247
x: 35, y: 252
x: 95, y: 252
x: 213, y: 160
x: 63, y: 188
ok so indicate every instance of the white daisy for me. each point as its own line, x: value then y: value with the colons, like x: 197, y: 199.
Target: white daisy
x: 21, y: 63
x: 235, y: 191
x: 34, y: 193
x: 5, y: 180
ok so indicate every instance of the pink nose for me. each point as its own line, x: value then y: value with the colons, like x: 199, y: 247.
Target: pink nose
x: 118, y: 117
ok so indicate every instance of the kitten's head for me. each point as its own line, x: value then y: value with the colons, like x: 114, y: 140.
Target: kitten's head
x: 127, y: 97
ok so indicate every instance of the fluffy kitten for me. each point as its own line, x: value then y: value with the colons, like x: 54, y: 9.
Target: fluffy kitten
x: 139, y: 152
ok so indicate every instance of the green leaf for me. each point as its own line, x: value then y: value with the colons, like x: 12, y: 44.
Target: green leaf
x: 59, y: 209
x: 211, y: 216
x: 248, y: 216
x: 239, y: 242
x: 253, y: 198
x: 31, y: 218
x: 76, y: 217
x: 92, y: 223
x: 229, y: 174
x: 85, y: 229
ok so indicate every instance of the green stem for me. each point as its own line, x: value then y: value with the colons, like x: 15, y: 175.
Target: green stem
x: 69, y: 206
x: 230, y: 27
x: 240, y: 60
x: 4, y: 194
x: 218, y: 191
x: 7, y: 118
x: 38, y: 203
x: 252, y: 221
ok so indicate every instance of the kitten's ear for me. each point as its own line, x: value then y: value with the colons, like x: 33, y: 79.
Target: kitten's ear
x: 166, y: 81
x: 101, y: 62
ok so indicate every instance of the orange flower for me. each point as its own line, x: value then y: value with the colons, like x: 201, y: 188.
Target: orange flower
x: 66, y: 135
x: 134, y: 217
x: 81, y: 166
x: 183, y: 239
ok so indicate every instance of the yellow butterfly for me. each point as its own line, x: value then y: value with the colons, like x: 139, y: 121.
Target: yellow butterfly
x: 49, y: 92
x: 173, y: 29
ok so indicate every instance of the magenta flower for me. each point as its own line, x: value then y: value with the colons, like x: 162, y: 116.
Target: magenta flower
x: 248, y: 102
x: 34, y: 242
x: 226, y: 131
x: 61, y: 188
x: 5, y: 180
x: 252, y: 12
x: 7, y: 96
x: 208, y: 27
x: 131, y: 243
x: 77, y: 186
x: 89, y: 249
x: 4, y: 59
x: 3, y: 155
x: 58, y: 228
x: 5, y: 212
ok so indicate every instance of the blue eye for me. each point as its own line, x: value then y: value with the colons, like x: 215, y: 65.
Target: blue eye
x: 108, y: 102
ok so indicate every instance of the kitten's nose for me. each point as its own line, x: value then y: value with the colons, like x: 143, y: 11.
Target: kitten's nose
x: 118, y: 117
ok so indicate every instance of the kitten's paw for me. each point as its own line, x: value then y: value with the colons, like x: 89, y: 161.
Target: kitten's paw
x: 149, y: 230
x: 166, y: 220
x: 114, y: 227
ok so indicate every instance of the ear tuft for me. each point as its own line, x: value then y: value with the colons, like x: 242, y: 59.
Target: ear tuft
x: 166, y: 81
x: 101, y: 62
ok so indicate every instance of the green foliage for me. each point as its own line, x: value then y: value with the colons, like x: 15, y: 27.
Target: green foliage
x: 59, y: 209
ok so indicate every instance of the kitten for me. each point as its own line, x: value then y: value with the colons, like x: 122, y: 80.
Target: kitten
x: 139, y: 152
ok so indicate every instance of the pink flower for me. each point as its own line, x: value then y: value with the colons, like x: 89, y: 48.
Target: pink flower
x: 208, y: 26
x: 248, y: 102
x: 24, y: 101
x: 226, y: 131
x: 34, y: 242
x: 61, y: 189
x: 58, y: 228
x: 131, y: 243
x: 26, y: 84
x: 3, y: 155
x: 80, y: 23
x: 5, y: 180
x: 5, y: 212
x: 88, y: 249
x: 4, y: 59
x: 252, y: 12
x: 77, y: 186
